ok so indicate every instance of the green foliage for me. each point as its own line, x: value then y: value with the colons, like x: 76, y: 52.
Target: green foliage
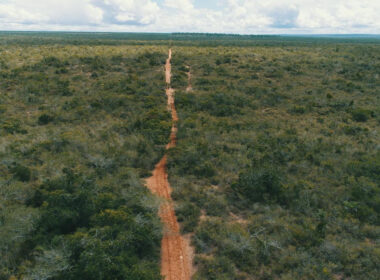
x: 153, y: 58
x: 52, y: 61
x: 291, y: 135
x: 361, y: 115
x: 63, y: 87
x: 364, y: 200
x: 78, y: 135
x: 107, y: 237
x: 188, y: 215
x: 65, y: 203
x: 298, y: 110
x: 259, y: 185
x: 154, y: 125
x: 194, y: 162
x: 12, y: 126
x: 276, y: 170
x: 354, y: 130
x: 21, y: 173
x: 217, y: 104
x: 366, y: 166
x: 44, y: 119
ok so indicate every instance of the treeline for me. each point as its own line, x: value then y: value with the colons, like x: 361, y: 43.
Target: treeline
x: 175, y: 39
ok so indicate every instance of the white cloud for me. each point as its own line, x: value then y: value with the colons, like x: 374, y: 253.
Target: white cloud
x: 13, y: 14
x: 340, y: 14
x: 68, y: 12
x: 313, y: 15
x: 132, y: 12
x: 230, y: 16
x: 183, y: 5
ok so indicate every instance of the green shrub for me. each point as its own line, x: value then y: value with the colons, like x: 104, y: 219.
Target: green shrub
x: 108, y: 238
x: 366, y: 166
x: 216, y: 205
x: 155, y: 124
x: 94, y: 63
x: 188, y: 215
x: 63, y: 88
x: 44, y: 119
x: 21, y: 173
x: 353, y: 130
x: 259, y: 185
x: 95, y: 222
x: 12, y: 126
x: 305, y: 235
x: 66, y: 203
x: 361, y: 115
x: 204, y: 170
x: 52, y: 61
x: 364, y: 203
x: 3, y: 109
x: 298, y: 110
x: 215, y: 269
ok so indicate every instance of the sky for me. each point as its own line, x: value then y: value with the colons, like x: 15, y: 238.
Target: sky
x: 212, y: 16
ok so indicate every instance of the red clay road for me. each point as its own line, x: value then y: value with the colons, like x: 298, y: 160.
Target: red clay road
x: 176, y: 252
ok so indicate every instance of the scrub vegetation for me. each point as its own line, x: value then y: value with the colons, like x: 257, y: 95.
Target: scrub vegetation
x: 276, y: 171
x: 275, y: 174
x: 79, y: 127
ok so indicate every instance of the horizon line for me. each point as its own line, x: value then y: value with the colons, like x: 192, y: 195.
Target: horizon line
x: 193, y: 33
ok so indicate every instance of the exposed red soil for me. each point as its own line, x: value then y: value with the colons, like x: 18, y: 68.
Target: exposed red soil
x: 176, y: 252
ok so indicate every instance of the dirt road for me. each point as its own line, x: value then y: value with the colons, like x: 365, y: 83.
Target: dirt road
x: 189, y: 86
x: 176, y: 252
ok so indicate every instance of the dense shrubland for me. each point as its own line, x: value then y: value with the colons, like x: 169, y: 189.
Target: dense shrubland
x: 277, y: 163
x: 276, y: 172
x: 79, y: 128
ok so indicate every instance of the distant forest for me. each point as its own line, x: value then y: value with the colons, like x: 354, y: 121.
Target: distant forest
x: 176, y: 39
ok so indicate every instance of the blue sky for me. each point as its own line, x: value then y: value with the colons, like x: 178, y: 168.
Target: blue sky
x: 222, y: 16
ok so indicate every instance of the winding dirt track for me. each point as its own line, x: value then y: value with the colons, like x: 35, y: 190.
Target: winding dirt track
x: 189, y: 86
x: 176, y: 252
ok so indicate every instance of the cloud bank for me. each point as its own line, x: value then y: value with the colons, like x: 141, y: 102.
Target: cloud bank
x: 224, y: 16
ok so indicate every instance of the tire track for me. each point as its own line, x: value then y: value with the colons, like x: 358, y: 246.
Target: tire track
x: 176, y: 252
x: 189, y: 86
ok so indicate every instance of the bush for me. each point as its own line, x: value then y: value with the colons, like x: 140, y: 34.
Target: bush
x: 94, y: 63
x: 12, y: 126
x: 44, y: 119
x: 204, y: 170
x: 364, y: 201
x: 361, y: 115
x: 353, y: 130
x: 155, y: 125
x: 298, y: 110
x: 63, y: 88
x: 66, y: 203
x: 108, y: 237
x: 21, y: 173
x: 367, y: 166
x: 52, y: 61
x: 188, y: 215
x: 259, y: 185
x: 215, y: 269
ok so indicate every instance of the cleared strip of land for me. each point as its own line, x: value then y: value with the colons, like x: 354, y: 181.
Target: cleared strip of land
x: 176, y: 252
